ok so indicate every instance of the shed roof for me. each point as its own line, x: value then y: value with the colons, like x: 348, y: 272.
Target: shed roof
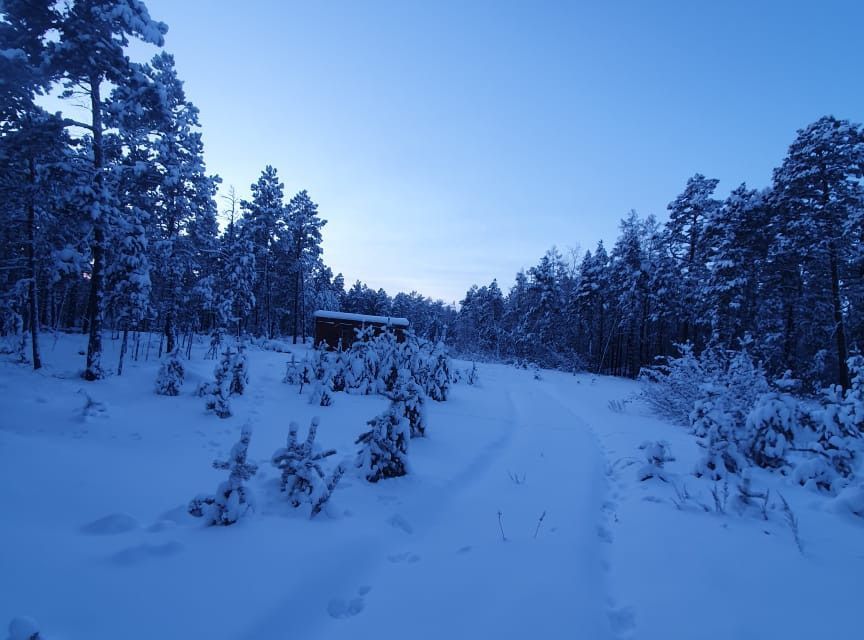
x: 359, y: 317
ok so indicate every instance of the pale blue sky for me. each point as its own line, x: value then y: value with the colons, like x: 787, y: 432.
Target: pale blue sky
x: 449, y: 143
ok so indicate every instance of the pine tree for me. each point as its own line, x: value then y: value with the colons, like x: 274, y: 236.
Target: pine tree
x: 263, y: 225
x: 384, y: 448
x: 304, y: 234
x: 303, y: 479
x: 169, y: 381
x: 232, y: 499
x: 90, y: 50
x: 184, y: 219
x: 687, y: 243
x: 817, y: 190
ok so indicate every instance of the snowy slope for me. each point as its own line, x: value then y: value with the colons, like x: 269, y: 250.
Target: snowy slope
x: 95, y: 542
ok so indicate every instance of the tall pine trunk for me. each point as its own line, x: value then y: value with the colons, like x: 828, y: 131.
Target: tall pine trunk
x: 31, y: 263
x: 296, y: 304
x: 839, y: 328
x: 94, y: 304
x: 123, y: 346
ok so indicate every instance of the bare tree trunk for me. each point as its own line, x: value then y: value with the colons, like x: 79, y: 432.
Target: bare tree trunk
x: 31, y: 260
x: 170, y: 337
x: 123, y: 346
x: 296, y: 303
x: 94, y: 305
x: 839, y: 328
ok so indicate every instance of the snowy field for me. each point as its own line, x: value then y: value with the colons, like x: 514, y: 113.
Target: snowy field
x: 95, y: 541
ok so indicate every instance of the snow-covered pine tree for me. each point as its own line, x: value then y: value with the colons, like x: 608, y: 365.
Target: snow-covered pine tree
x: 263, y: 225
x: 412, y: 398
x: 128, y: 276
x: 817, y: 191
x: 33, y: 172
x: 239, y: 372
x: 321, y: 395
x: 217, y: 393
x: 438, y: 383
x: 293, y: 372
x: 303, y: 479
x: 384, y: 448
x: 184, y: 212
x: 336, y: 373
x: 304, y: 234
x: 169, y: 381
x: 688, y: 244
x: 237, y: 296
x: 90, y: 49
x: 232, y: 499
x: 473, y: 376
x: 770, y: 429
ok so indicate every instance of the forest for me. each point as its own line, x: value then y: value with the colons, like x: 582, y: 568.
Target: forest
x: 111, y: 224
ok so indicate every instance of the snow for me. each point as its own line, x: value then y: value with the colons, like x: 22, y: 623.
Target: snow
x: 359, y: 317
x: 96, y: 541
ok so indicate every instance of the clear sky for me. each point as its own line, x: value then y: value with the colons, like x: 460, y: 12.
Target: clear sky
x: 450, y: 143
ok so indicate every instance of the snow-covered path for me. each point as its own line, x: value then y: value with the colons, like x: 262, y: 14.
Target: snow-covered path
x: 450, y: 572
x: 95, y: 541
x: 100, y: 544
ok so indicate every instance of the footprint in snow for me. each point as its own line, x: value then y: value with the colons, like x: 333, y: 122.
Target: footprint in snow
x: 398, y: 522
x: 464, y: 549
x: 142, y: 552
x: 604, y: 534
x: 622, y: 621
x: 111, y: 525
x: 340, y: 608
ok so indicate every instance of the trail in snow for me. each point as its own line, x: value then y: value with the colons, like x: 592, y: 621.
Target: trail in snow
x: 451, y: 573
x: 95, y: 541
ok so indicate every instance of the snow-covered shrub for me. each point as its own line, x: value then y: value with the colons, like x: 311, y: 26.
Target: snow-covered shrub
x: 336, y: 373
x: 354, y: 370
x: 832, y: 436
x: 456, y: 375
x: 239, y: 372
x: 438, y: 382
x: 851, y: 500
x: 216, y: 394
x: 411, y: 397
x: 673, y: 387
x: 303, y: 479
x: 319, y: 364
x: 657, y: 454
x: 293, y: 372
x: 770, y: 429
x: 472, y: 376
x: 712, y: 421
x: 232, y: 499
x: 169, y: 381
x: 321, y: 395
x: 384, y: 448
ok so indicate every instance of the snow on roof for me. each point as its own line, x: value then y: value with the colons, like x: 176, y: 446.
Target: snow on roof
x: 359, y: 317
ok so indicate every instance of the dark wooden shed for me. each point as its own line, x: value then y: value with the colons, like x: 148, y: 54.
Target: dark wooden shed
x: 331, y: 327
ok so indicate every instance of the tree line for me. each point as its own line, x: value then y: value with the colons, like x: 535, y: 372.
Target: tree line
x: 110, y: 220
x: 778, y: 270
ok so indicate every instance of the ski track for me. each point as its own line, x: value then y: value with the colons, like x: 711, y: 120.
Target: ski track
x: 551, y: 587
x: 428, y: 544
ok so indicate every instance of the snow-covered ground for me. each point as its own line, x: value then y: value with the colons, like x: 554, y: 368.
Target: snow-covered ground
x: 95, y: 541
